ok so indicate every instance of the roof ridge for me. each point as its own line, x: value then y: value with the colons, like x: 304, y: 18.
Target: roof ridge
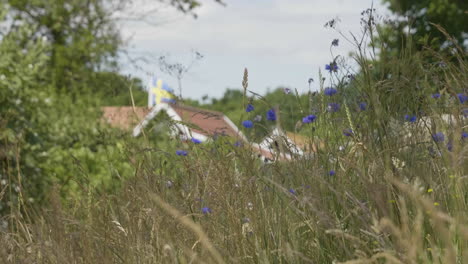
x: 195, y: 109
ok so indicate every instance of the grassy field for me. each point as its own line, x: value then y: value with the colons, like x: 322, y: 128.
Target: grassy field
x: 388, y: 184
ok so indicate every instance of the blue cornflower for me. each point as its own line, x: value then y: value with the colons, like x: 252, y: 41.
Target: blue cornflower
x: 271, y: 115
x: 238, y: 144
x: 181, y: 153
x: 363, y: 106
x: 449, y: 146
x: 332, y: 173
x: 247, y: 124
x: 330, y: 91
x: 249, y: 108
x: 462, y: 98
x: 464, y: 135
x: 309, y: 119
x: 206, y: 210
x: 348, y: 132
x: 410, y: 118
x: 335, y: 42
x: 438, y: 137
x: 436, y: 95
x: 292, y: 191
x: 332, y: 67
x: 333, y: 107
x: 196, y: 141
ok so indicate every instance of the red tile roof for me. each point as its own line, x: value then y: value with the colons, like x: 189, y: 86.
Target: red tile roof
x: 124, y: 117
x: 205, y: 122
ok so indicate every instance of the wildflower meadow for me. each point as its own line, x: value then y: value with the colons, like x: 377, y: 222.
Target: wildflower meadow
x: 381, y: 175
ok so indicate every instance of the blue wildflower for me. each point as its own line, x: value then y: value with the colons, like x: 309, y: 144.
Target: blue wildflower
x: 247, y: 124
x: 249, y: 108
x: 449, y: 146
x: 348, y: 132
x: 333, y: 107
x: 287, y: 90
x: 238, y: 144
x: 332, y: 67
x: 410, y: 118
x: 363, y: 106
x: 292, y: 191
x: 462, y: 98
x: 271, y: 115
x: 206, y: 210
x: 196, y: 141
x: 464, y: 135
x: 438, y: 137
x: 309, y: 119
x: 335, y: 42
x: 181, y: 153
x: 332, y: 173
x: 330, y: 91
x: 436, y: 95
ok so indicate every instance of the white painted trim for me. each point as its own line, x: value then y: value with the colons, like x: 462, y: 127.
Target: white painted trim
x: 266, y: 143
x: 235, y: 128
x: 186, y: 131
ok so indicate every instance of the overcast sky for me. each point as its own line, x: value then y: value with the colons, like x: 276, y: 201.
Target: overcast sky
x: 281, y: 42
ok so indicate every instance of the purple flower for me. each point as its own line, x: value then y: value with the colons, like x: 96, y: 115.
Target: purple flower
x: 238, y: 144
x: 332, y: 173
x: 436, y: 95
x: 410, y: 118
x: 309, y: 119
x: 348, y: 132
x: 196, y: 141
x: 333, y: 107
x: 438, y: 137
x: 363, y: 106
x: 330, y: 91
x: 247, y: 124
x: 332, y: 67
x: 181, y: 153
x: 464, y: 135
x: 206, y: 210
x: 462, y: 98
x: 287, y: 90
x: 335, y: 42
x: 249, y: 108
x: 292, y: 191
x: 449, y: 146
x: 271, y: 115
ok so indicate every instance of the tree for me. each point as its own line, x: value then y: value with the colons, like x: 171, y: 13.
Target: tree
x: 83, y: 36
x: 415, y: 17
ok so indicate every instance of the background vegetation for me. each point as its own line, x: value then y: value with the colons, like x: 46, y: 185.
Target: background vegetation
x: 384, y: 187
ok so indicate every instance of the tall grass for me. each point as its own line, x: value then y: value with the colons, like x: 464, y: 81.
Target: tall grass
x: 398, y: 195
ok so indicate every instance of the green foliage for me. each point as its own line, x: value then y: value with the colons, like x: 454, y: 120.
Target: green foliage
x: 397, y: 195
x: 414, y: 21
x: 82, y: 36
